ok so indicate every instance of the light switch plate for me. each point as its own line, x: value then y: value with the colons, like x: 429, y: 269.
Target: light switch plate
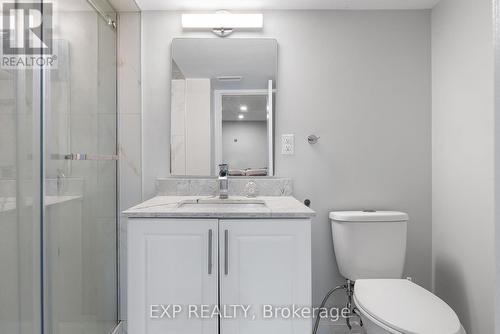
x: 287, y: 144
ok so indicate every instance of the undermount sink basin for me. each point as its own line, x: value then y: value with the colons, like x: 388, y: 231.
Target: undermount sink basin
x: 215, y: 203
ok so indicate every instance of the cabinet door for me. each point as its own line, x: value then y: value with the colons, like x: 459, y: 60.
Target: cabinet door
x: 265, y: 262
x: 171, y: 262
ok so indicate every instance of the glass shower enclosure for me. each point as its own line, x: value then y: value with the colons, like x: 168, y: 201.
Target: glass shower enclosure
x: 58, y: 174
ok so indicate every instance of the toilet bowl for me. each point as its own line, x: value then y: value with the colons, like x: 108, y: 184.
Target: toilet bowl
x: 370, y: 248
x: 398, y: 306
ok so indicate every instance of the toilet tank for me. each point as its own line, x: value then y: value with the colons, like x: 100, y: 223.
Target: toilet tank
x: 369, y: 244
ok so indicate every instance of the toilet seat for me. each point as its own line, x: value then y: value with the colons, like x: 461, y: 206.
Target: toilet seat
x: 401, y: 306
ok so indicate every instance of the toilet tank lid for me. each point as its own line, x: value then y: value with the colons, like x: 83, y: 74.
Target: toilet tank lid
x: 369, y: 216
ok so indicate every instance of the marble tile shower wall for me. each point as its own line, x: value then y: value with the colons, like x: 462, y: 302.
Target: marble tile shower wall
x: 66, y: 187
x: 8, y: 128
x: 237, y: 186
x: 7, y: 188
x: 83, y: 119
x: 130, y: 132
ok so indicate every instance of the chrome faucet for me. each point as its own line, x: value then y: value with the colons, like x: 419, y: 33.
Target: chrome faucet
x: 223, y: 182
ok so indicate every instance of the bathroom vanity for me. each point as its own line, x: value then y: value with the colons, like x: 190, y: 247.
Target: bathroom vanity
x: 201, y: 264
x: 227, y: 266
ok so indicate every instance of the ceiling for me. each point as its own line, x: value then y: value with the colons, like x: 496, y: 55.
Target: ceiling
x: 256, y: 107
x: 124, y: 5
x: 283, y: 4
x: 82, y: 5
x: 254, y: 60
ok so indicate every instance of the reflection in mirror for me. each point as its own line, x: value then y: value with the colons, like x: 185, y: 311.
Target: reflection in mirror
x: 244, y: 134
x: 222, y: 106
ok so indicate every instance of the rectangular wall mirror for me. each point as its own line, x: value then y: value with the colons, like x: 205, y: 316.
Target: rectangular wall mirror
x: 222, y: 106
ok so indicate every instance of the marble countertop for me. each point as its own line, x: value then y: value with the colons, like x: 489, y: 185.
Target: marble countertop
x: 171, y: 207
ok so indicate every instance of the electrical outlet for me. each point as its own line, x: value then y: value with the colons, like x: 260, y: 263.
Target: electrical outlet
x: 287, y: 144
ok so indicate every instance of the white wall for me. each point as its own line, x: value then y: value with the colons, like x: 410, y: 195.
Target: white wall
x: 178, y: 127
x: 197, y: 118
x: 463, y: 160
x: 250, y: 149
x: 190, y: 130
x: 361, y: 81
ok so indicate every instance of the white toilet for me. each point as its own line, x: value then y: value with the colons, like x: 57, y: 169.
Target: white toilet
x: 370, y: 248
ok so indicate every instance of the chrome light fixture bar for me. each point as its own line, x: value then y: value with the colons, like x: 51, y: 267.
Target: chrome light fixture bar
x: 229, y: 78
x: 222, y: 23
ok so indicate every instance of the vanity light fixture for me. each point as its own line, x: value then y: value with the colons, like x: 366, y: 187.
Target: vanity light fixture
x: 222, y: 23
x: 241, y: 116
x: 244, y: 108
x: 229, y: 78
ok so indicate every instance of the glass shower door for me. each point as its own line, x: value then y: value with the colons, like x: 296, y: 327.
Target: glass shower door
x: 20, y: 208
x: 80, y: 225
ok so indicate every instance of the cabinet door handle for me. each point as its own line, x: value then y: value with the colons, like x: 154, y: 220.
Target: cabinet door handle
x: 210, y: 255
x: 226, y: 252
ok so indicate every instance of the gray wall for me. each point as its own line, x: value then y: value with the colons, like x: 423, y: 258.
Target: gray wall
x: 361, y: 81
x: 250, y: 149
x: 463, y: 161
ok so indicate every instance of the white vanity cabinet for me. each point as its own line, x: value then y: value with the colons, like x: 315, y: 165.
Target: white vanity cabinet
x: 253, y: 262
x: 265, y: 262
x: 171, y: 262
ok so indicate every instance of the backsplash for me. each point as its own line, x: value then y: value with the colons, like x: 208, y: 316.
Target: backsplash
x: 237, y: 186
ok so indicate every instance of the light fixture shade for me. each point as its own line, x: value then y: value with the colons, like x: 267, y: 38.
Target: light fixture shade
x: 222, y: 20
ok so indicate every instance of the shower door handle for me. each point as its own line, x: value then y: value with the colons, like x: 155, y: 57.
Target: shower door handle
x: 90, y: 157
